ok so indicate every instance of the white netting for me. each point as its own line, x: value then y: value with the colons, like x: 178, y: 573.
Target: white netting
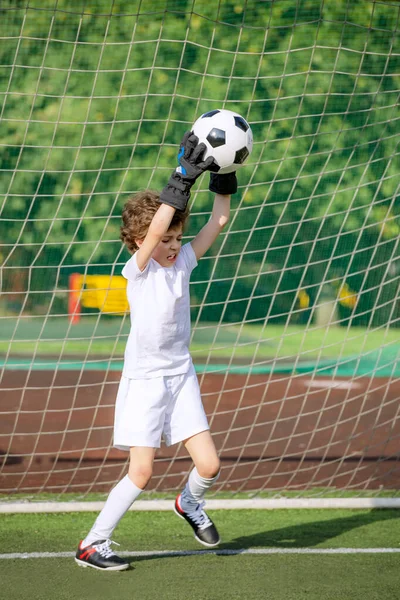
x: 296, y: 308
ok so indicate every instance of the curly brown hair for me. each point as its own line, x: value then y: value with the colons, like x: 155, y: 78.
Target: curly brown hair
x: 137, y: 215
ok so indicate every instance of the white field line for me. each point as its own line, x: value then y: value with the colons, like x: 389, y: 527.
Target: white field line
x: 332, y: 384
x: 161, y: 505
x: 172, y: 553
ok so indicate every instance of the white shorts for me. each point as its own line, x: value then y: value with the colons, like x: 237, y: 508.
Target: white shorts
x: 147, y: 409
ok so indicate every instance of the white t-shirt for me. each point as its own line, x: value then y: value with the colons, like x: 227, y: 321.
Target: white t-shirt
x: 158, y: 342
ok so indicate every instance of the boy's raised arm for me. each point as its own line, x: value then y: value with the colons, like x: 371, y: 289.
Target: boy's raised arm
x: 158, y: 227
x: 223, y: 186
x: 175, y: 195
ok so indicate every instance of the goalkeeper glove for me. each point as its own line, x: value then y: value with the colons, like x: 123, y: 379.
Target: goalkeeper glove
x: 191, y: 165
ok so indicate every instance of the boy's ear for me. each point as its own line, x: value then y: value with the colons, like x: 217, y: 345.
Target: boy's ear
x: 139, y: 243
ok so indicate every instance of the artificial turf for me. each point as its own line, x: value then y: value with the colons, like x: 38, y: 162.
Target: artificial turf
x: 209, y: 576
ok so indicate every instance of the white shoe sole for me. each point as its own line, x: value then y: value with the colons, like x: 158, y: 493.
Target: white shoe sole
x: 81, y: 563
x: 195, y: 536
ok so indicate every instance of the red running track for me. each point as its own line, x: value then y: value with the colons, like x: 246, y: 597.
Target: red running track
x: 273, y: 432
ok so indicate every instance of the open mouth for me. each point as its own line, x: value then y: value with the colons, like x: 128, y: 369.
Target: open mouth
x: 171, y: 257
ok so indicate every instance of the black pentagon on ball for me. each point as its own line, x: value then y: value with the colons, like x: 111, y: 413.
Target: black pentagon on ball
x: 216, y: 137
x: 241, y: 156
x: 210, y: 114
x: 241, y: 123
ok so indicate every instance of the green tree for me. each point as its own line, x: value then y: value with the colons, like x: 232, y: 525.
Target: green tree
x: 96, y: 98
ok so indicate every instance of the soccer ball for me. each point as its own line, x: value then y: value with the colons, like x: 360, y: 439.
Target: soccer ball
x: 227, y: 136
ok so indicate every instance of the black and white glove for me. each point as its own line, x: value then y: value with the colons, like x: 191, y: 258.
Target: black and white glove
x: 191, y: 165
x: 223, y: 184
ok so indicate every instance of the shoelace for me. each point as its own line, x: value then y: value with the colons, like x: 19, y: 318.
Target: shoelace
x: 104, y: 549
x: 199, y: 516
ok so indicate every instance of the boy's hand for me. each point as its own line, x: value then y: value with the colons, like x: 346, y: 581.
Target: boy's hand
x: 223, y: 184
x: 191, y: 165
x: 190, y: 157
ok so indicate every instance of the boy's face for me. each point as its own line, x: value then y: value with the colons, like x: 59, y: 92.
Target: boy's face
x: 168, y: 249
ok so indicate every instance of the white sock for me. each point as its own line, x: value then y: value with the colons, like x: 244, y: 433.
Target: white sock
x: 118, y: 502
x: 195, y: 489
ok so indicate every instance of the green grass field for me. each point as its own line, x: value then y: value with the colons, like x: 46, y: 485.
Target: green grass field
x: 107, y: 337
x: 286, y: 572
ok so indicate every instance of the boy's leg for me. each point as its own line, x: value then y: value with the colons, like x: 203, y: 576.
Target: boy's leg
x: 206, y: 466
x: 189, y: 504
x: 141, y: 465
x: 94, y: 550
x: 123, y: 494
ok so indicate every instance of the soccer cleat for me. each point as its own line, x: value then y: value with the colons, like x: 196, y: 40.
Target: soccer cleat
x: 204, y: 529
x: 100, y: 556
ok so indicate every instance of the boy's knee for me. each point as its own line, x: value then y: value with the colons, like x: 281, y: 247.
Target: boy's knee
x: 210, y: 469
x: 140, y: 475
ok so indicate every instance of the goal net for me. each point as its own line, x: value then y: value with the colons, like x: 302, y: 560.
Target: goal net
x: 295, y: 309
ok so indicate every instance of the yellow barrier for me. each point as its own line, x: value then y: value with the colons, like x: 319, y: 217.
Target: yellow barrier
x: 107, y: 293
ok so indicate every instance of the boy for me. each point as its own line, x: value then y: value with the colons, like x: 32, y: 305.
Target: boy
x: 159, y: 392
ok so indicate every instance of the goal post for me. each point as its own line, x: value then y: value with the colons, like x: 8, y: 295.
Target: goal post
x: 295, y: 309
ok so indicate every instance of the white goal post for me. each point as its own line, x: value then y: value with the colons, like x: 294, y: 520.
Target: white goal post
x: 295, y: 310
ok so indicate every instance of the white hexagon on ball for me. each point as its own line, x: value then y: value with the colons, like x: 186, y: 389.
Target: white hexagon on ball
x: 227, y: 136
